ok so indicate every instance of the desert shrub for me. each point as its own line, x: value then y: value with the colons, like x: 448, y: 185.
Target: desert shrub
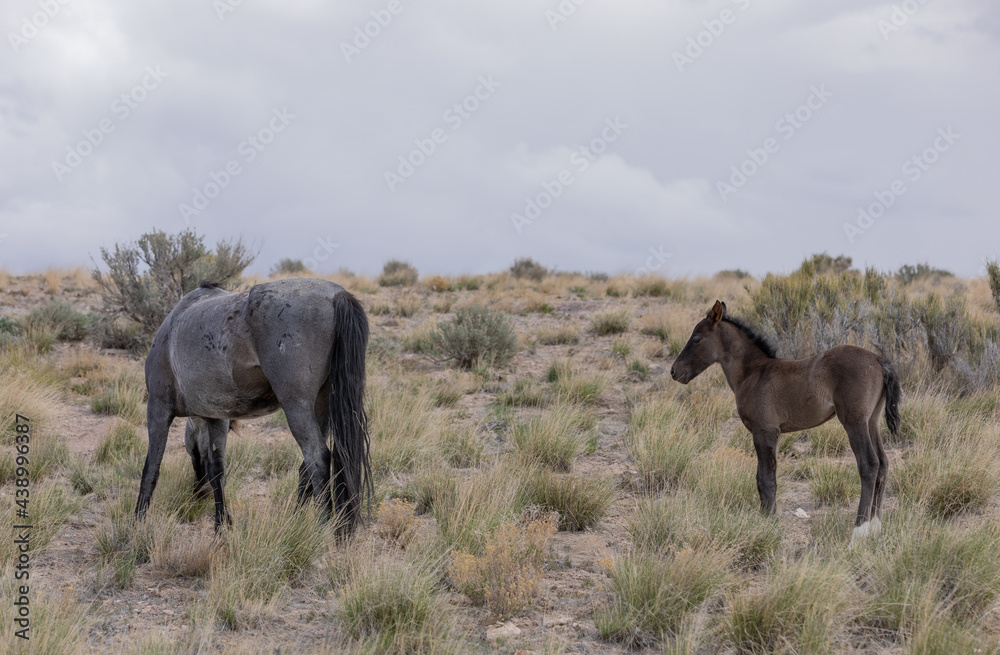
x: 824, y: 264
x: 664, y: 442
x: 653, y: 595
x: 146, y: 279
x: 732, y: 274
x: 639, y: 368
x: 395, y: 521
x: 468, y: 283
x: 615, y: 321
x: 10, y: 326
x: 403, y: 428
x: 803, y: 605
x: 428, y: 486
x: 654, y: 287
x: 408, y: 304
x: 526, y: 267
x: 438, y: 284
x: 581, y: 500
x: 418, y: 340
x: 63, y: 321
x: 574, y: 387
x: 288, y: 267
x: 476, y: 335
x: 907, y: 273
x: 396, y: 273
x: 993, y: 272
x: 504, y: 577
x: 959, y: 479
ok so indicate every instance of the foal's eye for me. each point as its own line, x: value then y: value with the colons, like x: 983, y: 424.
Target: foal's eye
x: 696, y: 339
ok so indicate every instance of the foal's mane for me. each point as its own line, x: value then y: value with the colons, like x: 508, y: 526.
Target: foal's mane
x: 752, y: 333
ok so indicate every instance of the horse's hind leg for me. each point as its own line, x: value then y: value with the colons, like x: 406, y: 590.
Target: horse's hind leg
x: 868, y: 469
x: 158, y: 420
x: 196, y: 442
x: 218, y: 430
x: 305, y: 486
x: 883, y: 465
x: 306, y: 430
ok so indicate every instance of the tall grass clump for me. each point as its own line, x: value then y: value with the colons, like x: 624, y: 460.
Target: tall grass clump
x: 59, y: 625
x: 396, y: 609
x: 403, y: 427
x: 471, y: 509
x: 581, y: 500
x: 802, y: 607
x: 958, y: 479
x: 120, y: 444
x: 685, y: 520
x: 615, y: 321
x: 653, y: 595
x: 270, y: 546
x: 396, y: 273
x: 917, y: 568
x: 476, y: 335
x: 123, y: 394
x: 50, y: 505
x: 664, y: 442
x: 552, y: 439
x: 124, y: 542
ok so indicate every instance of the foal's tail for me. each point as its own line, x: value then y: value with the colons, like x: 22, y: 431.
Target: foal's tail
x: 893, y: 394
x: 352, y: 480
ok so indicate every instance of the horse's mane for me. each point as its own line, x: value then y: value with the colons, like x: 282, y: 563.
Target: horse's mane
x: 209, y: 284
x: 752, y: 333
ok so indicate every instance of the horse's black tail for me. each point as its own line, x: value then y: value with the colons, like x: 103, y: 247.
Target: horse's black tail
x: 352, y: 480
x: 893, y: 394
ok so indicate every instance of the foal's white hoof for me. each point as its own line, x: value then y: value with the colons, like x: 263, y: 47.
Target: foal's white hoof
x: 866, y: 529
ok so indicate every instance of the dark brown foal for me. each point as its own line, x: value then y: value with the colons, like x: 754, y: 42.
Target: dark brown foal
x: 785, y: 395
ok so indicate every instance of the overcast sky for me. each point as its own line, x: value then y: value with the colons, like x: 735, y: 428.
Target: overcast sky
x: 607, y: 135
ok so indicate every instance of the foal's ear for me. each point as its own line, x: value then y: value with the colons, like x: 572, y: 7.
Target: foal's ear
x: 718, y: 311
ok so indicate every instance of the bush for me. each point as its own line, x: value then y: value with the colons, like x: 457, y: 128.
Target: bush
x: 581, y: 500
x: 505, y: 576
x: 907, y: 273
x: 610, y: 322
x: 288, y: 267
x: 526, y: 267
x: 397, y: 273
x: 146, y: 279
x: 651, y: 596
x: 993, y: 270
x: 476, y: 335
x: 66, y: 323
x: 823, y: 264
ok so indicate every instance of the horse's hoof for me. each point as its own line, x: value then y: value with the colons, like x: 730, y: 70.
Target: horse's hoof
x: 866, y: 529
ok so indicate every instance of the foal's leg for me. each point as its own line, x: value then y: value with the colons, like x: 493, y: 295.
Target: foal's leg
x: 765, y: 442
x: 158, y: 420
x: 218, y: 430
x: 883, y: 466
x: 306, y: 430
x: 868, y: 468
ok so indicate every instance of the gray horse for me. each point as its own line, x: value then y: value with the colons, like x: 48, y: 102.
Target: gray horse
x: 298, y: 344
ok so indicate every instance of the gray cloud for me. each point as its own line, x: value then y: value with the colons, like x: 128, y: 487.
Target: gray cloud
x: 323, y: 175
